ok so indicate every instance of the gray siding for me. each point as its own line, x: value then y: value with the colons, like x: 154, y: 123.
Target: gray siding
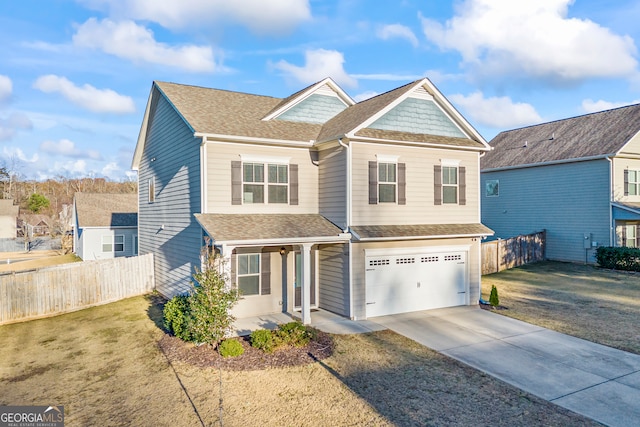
x: 176, y: 168
x: 334, y: 279
x: 89, y: 244
x: 332, y: 186
x: 568, y: 200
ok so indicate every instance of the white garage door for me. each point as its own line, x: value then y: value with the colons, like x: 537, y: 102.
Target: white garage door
x: 415, y: 281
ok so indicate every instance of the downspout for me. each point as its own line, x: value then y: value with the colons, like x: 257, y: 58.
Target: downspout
x: 612, y: 228
x: 348, y: 224
x: 480, y: 300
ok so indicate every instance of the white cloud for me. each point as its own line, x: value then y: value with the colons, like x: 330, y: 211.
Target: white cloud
x: 128, y: 40
x: 392, y: 31
x: 497, y: 112
x: 591, y: 106
x: 111, y: 169
x: 18, y: 154
x: 262, y: 17
x: 319, y: 64
x: 388, y: 77
x: 87, y: 96
x: 534, y: 39
x: 65, y: 147
x: 14, y: 122
x: 6, y: 88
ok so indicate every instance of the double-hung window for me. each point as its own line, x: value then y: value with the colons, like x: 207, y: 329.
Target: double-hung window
x: 634, y: 182
x: 107, y: 243
x: 118, y: 243
x: 278, y: 183
x: 253, y: 183
x: 387, y: 182
x: 249, y: 274
x: 449, y: 184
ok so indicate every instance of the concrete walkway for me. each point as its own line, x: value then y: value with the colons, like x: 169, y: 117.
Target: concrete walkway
x: 599, y: 382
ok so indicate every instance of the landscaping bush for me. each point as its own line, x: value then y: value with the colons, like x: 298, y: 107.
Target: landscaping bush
x: 294, y: 334
x: 230, y: 348
x: 493, y: 297
x: 263, y: 339
x: 176, y: 316
x: 618, y: 258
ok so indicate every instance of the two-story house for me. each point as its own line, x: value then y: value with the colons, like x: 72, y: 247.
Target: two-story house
x: 577, y: 178
x: 314, y: 201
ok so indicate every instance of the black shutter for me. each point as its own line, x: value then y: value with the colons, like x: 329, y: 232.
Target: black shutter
x: 236, y: 183
x: 265, y: 271
x: 437, y: 185
x: 462, y: 185
x: 626, y: 182
x: 373, y: 183
x: 402, y: 183
x: 293, y: 184
x: 624, y: 235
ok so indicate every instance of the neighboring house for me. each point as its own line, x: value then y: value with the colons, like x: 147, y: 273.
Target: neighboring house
x: 35, y: 224
x: 105, y: 225
x: 8, y: 219
x: 362, y: 209
x: 578, y: 178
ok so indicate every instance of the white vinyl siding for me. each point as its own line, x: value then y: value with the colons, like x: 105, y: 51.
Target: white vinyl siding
x: 332, y: 193
x: 334, y: 278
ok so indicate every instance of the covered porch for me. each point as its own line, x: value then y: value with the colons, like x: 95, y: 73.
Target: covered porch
x: 626, y: 224
x: 272, y: 259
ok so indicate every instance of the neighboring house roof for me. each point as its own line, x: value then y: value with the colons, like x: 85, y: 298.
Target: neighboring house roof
x: 269, y: 227
x: 35, y: 219
x: 589, y: 136
x: 418, y: 231
x: 7, y: 208
x: 106, y: 210
x: 228, y: 115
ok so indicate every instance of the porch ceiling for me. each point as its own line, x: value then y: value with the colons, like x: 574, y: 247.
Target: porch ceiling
x: 250, y: 228
x: 419, y: 231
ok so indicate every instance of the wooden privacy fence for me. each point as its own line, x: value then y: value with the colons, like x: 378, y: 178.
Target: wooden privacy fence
x: 502, y: 254
x: 70, y: 287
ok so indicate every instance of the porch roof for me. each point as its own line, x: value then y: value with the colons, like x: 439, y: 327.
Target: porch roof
x: 419, y: 231
x: 251, y: 229
x: 626, y: 211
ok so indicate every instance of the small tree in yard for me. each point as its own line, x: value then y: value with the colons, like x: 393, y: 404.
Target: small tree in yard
x: 209, y: 306
x: 493, y: 297
x: 37, y: 202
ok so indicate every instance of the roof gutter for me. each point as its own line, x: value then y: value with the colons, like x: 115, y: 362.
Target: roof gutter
x: 206, y: 137
x: 418, y: 144
x: 432, y: 237
x: 552, y: 162
x: 340, y: 238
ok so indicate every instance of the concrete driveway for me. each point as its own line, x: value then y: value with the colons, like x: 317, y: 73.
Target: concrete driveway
x: 591, y: 379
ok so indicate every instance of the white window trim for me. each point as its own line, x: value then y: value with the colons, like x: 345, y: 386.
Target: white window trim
x: 395, y: 183
x: 450, y: 162
x: 259, y: 273
x: 252, y: 158
x: 636, y: 182
x: 384, y: 158
x: 265, y: 182
x: 456, y: 185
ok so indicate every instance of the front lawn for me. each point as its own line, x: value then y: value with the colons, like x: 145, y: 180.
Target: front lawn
x: 105, y: 365
x: 595, y: 304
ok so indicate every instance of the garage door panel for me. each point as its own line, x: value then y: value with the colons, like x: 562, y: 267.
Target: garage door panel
x: 404, y: 283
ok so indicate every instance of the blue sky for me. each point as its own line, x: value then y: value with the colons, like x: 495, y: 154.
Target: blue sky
x: 75, y: 75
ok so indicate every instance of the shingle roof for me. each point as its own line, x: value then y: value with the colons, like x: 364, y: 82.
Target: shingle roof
x: 419, y: 231
x: 252, y: 227
x: 106, y: 210
x: 591, y: 135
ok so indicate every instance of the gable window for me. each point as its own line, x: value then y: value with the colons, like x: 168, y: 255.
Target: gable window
x: 449, y: 183
x: 253, y: 183
x: 249, y: 274
x: 151, y: 186
x: 386, y: 182
x: 107, y: 243
x: 278, y: 183
x: 632, y: 182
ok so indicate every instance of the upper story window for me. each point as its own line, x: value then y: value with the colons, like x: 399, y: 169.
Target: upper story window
x: 387, y: 182
x: 151, y: 187
x: 257, y: 180
x: 449, y: 183
x: 632, y: 182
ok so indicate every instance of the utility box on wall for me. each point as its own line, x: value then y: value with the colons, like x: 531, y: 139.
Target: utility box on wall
x: 587, y: 241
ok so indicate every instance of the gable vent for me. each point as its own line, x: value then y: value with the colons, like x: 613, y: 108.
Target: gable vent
x: 421, y: 93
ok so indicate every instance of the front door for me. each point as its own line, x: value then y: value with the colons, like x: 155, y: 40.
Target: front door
x: 297, y: 288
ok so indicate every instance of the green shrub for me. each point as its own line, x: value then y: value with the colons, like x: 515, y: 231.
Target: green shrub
x: 618, y: 258
x: 176, y: 316
x: 493, y: 297
x: 263, y: 339
x: 294, y: 334
x: 230, y: 348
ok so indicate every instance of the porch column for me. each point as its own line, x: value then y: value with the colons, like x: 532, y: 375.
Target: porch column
x: 305, y: 252
x: 225, y: 270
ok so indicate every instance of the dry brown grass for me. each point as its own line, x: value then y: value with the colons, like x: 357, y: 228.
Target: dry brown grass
x: 105, y: 366
x: 22, y: 261
x: 580, y: 300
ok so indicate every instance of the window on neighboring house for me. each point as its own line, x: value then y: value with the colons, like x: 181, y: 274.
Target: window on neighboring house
x: 118, y: 243
x: 492, y: 188
x: 387, y: 182
x: 253, y: 183
x: 278, y: 184
x: 135, y: 244
x: 248, y: 274
x: 152, y: 189
x: 633, y: 182
x: 107, y: 243
x: 449, y: 184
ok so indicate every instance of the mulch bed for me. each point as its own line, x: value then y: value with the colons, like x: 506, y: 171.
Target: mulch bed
x: 206, y: 356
